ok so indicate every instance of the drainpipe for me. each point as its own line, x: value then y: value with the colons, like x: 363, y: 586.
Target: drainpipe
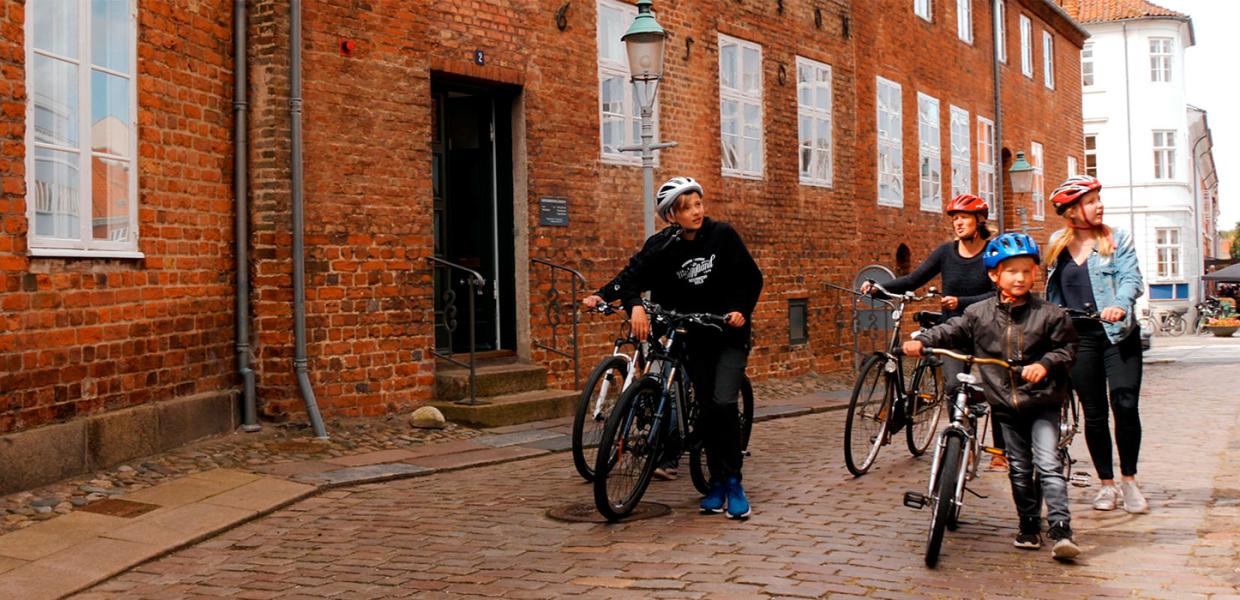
x: 1132, y: 216
x: 299, y: 260
x: 998, y: 89
x: 249, y: 417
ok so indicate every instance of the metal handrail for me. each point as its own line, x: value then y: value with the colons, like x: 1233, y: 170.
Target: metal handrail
x: 476, y: 283
x: 553, y: 310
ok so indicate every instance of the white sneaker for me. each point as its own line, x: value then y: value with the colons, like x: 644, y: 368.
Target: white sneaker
x: 1106, y: 498
x: 1134, y: 502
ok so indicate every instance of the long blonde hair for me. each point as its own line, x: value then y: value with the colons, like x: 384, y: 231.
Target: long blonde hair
x: 1104, y: 240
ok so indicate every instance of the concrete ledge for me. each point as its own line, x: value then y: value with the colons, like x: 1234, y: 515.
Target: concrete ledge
x: 511, y: 409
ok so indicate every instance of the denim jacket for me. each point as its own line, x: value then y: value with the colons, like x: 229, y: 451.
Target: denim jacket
x: 1116, y: 281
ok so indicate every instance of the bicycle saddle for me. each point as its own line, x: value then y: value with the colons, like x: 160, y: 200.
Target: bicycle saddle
x: 927, y: 319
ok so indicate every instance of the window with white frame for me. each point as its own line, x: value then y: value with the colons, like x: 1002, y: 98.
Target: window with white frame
x: 1026, y: 46
x: 964, y: 20
x: 930, y: 161
x: 1167, y: 243
x: 1039, y: 181
x: 1164, y: 155
x: 81, y: 133
x: 1160, y: 59
x: 962, y: 172
x: 1048, y: 60
x: 619, y: 106
x: 922, y: 8
x: 1091, y: 154
x: 740, y: 107
x: 1087, y: 65
x: 890, y: 144
x: 1072, y: 167
x: 814, y: 121
x: 986, y: 180
x: 1001, y: 36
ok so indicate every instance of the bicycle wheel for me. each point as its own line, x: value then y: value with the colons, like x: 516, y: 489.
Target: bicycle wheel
x: 699, y: 470
x: 944, y: 497
x: 1149, y: 324
x: 1176, y: 324
x: 746, y: 409
x: 602, y: 390
x: 925, y: 408
x: 628, y: 449
x: 869, y: 412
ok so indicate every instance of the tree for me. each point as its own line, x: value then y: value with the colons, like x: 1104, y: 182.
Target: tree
x: 1235, y: 242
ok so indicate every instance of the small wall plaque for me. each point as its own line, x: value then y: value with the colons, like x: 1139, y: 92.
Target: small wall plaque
x: 553, y: 212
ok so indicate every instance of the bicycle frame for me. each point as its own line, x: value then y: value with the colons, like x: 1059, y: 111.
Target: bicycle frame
x: 636, y: 358
x: 963, y: 424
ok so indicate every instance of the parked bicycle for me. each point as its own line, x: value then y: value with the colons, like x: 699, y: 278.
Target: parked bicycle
x: 882, y: 403
x: 656, y: 407
x: 1209, y: 309
x: 609, y: 379
x: 1169, y: 322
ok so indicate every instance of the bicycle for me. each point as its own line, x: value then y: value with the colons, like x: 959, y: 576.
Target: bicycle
x: 1070, y: 420
x: 1170, y: 322
x: 1207, y: 310
x: 607, y: 381
x: 659, y: 405
x: 872, y: 420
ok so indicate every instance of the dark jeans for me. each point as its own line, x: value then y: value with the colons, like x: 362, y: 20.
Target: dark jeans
x: 1033, y: 445
x: 1101, y: 365
x: 953, y: 367
x: 716, y: 373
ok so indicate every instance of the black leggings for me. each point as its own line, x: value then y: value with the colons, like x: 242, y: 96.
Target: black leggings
x: 1101, y: 365
x: 717, y: 373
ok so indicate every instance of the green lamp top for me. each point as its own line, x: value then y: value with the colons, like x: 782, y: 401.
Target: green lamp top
x: 1020, y: 165
x: 644, y: 23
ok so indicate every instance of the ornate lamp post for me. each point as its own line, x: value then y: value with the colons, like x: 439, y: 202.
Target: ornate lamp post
x: 1021, y: 173
x: 644, y: 44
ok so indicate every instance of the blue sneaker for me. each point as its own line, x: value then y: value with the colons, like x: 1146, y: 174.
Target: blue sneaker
x: 715, y: 499
x: 738, y: 504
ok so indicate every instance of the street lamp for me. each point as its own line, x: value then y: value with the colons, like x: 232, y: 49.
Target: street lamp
x: 1022, y: 183
x: 644, y: 44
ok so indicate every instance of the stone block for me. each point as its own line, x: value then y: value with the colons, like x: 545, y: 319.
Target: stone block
x: 116, y: 437
x: 32, y: 458
x: 262, y: 496
x: 187, y: 419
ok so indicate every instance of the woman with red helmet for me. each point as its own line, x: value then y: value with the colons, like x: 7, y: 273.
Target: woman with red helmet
x: 1093, y: 267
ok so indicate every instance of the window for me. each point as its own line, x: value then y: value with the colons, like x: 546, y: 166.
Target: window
x: 1072, y: 168
x: 1048, y: 60
x: 1160, y: 59
x: 1091, y: 155
x: 81, y: 133
x: 1168, y: 247
x: 1169, y: 291
x: 962, y: 172
x: 890, y: 144
x: 619, y: 106
x: 1001, y: 36
x: 1026, y: 46
x: 930, y: 163
x: 798, y: 321
x: 1164, y: 155
x: 1039, y: 180
x: 1087, y: 65
x: 986, y: 180
x: 964, y: 20
x: 922, y: 8
x: 740, y: 107
x: 814, y: 121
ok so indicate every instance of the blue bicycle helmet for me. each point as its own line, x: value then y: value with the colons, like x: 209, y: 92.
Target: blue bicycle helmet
x: 1010, y: 245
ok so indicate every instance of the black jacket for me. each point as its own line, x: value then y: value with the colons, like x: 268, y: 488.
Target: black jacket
x: 1035, y: 331
x: 712, y: 273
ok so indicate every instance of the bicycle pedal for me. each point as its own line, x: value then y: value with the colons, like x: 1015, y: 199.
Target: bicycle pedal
x: 994, y: 451
x: 915, y: 500
x: 1080, y: 479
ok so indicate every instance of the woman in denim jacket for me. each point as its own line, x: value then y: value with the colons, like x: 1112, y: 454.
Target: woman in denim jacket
x: 1093, y: 267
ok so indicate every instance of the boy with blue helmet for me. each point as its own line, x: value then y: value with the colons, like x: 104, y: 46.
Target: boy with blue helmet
x: 1023, y: 330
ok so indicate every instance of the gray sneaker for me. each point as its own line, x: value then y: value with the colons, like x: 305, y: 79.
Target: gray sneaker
x: 1134, y: 502
x: 1106, y: 498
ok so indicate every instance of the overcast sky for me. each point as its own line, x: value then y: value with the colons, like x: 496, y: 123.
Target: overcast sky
x: 1213, y: 84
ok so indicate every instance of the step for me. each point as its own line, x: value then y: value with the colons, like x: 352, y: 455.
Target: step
x: 494, y: 378
x: 511, y: 409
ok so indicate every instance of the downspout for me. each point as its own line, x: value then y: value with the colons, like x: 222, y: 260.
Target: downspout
x: 998, y: 90
x: 1132, y: 217
x: 249, y: 416
x: 299, y: 260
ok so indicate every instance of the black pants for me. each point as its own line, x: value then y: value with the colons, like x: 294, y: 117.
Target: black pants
x: 1102, y: 366
x: 716, y: 372
x: 953, y: 367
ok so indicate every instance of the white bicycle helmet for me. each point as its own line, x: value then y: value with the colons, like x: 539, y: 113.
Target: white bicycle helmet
x: 665, y: 200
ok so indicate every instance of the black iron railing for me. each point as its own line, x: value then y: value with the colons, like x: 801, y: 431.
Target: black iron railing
x: 554, y: 309
x: 476, y: 284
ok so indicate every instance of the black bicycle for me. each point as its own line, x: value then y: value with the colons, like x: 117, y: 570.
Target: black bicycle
x: 657, y: 411
x: 614, y: 374
x: 882, y: 404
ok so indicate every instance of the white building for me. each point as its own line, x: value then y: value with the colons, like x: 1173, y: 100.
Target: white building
x: 1150, y: 149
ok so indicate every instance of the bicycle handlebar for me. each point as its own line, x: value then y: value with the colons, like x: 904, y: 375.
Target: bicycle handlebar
x: 967, y: 358
x: 703, y: 319
x: 931, y: 292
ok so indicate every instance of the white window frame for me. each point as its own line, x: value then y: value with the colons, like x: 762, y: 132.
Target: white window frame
x: 85, y: 245
x: 1048, y: 60
x: 814, y: 116
x: 1073, y: 167
x: 743, y: 99
x: 890, y: 143
x: 1164, y: 154
x: 1091, y: 153
x: 1168, y: 252
x: 1026, y: 46
x: 964, y: 21
x: 1001, y: 38
x: 986, y: 179
x: 930, y: 153
x: 1087, y: 65
x: 924, y: 9
x: 1037, y: 157
x: 1161, y: 53
x: 608, y: 68
x: 962, y: 161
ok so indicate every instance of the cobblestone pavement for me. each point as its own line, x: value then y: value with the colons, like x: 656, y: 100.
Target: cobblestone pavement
x: 816, y: 532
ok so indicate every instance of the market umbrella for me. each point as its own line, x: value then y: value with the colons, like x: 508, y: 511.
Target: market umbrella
x: 1230, y: 274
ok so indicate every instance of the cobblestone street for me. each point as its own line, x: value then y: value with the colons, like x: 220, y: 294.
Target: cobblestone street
x: 816, y: 532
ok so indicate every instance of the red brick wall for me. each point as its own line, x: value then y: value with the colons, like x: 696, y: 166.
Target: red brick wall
x: 81, y: 336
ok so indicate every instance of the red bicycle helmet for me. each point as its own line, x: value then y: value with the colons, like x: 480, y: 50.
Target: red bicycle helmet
x: 968, y: 203
x: 1072, y: 190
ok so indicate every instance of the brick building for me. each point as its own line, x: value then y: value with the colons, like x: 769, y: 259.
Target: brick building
x: 444, y: 130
